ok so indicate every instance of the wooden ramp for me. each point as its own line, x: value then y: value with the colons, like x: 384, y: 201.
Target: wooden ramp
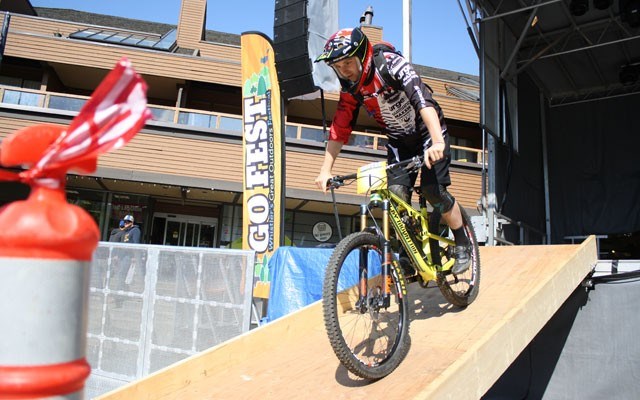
x: 455, y: 354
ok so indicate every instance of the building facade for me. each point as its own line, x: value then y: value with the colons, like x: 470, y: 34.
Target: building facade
x: 181, y: 176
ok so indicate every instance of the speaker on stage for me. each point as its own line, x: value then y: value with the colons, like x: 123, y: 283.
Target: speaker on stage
x: 295, y: 47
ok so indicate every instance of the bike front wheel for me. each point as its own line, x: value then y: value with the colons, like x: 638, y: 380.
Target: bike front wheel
x: 368, y: 334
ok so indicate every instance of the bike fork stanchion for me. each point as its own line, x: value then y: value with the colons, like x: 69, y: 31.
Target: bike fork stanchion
x: 363, y: 262
x: 363, y: 284
x: 386, y: 254
x: 363, y: 217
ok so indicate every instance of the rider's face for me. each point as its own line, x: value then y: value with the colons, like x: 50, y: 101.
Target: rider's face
x: 349, y: 68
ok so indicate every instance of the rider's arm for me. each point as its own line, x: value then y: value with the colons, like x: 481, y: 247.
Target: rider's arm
x: 345, y: 118
x: 339, y: 133
x: 330, y: 155
x: 435, y: 152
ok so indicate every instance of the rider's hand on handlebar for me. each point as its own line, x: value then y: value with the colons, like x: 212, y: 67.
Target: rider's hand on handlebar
x: 434, y: 154
x: 322, y: 179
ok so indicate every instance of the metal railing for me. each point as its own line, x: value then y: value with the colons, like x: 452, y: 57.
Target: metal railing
x: 492, y: 227
x: 150, y: 306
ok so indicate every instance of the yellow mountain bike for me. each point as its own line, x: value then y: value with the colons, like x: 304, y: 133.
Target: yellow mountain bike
x: 365, y: 304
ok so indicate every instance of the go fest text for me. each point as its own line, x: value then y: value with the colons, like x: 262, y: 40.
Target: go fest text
x: 259, y: 173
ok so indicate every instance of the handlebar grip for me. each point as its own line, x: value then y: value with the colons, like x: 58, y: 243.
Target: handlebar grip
x: 338, y: 180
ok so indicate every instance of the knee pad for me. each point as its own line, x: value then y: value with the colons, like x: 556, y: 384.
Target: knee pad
x: 401, y: 191
x: 439, y: 197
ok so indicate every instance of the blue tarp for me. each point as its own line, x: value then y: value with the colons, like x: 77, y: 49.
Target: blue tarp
x: 297, y: 276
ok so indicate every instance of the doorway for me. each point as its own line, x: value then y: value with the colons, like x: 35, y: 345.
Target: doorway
x: 184, y: 230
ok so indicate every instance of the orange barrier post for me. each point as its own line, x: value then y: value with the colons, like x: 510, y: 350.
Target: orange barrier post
x: 46, y: 244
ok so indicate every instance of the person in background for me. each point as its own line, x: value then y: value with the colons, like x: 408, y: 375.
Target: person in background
x: 406, y: 110
x: 131, y: 232
x: 117, y: 233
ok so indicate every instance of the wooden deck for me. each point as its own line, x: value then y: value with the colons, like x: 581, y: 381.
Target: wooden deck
x: 455, y: 354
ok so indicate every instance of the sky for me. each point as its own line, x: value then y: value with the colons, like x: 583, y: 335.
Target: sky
x: 439, y: 32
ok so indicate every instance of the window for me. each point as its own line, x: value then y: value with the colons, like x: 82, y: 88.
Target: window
x: 231, y: 124
x: 382, y: 143
x: 166, y: 42
x: 361, y: 141
x: 459, y: 154
x: 162, y: 114
x: 291, y: 131
x: 22, y: 98
x: 93, y: 202
x: 66, y: 103
x: 312, y: 134
x: 195, y: 119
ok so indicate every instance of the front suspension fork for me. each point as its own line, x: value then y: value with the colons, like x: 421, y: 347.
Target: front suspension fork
x: 382, y: 296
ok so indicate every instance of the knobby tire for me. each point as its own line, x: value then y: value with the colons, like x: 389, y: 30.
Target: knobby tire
x: 461, y: 290
x: 370, y: 342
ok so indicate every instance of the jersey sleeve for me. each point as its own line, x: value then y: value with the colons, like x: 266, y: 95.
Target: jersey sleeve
x: 344, y: 118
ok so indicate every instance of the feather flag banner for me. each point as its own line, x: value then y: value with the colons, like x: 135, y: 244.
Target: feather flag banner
x: 113, y: 115
x: 263, y: 153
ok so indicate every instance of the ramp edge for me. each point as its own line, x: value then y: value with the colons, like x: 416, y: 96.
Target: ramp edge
x: 471, y: 375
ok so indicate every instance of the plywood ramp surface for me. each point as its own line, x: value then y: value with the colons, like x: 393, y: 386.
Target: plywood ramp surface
x: 455, y: 354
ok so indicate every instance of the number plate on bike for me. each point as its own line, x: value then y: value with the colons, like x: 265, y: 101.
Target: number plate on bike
x: 372, y: 177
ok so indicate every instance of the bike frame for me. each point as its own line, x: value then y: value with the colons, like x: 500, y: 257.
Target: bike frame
x: 371, y: 336
x: 418, y: 249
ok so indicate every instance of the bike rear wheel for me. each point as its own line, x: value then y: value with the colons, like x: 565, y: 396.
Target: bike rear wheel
x: 369, y: 338
x: 460, y: 290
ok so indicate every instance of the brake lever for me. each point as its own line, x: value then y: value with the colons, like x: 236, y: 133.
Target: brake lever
x: 415, y: 164
x: 334, y: 182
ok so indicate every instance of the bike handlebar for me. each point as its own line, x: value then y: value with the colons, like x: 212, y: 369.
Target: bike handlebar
x: 411, y: 164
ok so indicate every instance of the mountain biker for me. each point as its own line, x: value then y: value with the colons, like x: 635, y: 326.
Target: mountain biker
x: 412, y: 120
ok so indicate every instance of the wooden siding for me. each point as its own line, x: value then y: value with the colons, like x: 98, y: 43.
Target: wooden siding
x: 179, y: 156
x: 10, y: 125
x: 374, y: 33
x: 220, y: 51
x: 222, y: 161
x: 166, y: 155
x: 50, y: 28
x: 466, y: 188
x: 105, y: 56
x: 36, y: 36
x: 463, y: 110
x: 191, y: 23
